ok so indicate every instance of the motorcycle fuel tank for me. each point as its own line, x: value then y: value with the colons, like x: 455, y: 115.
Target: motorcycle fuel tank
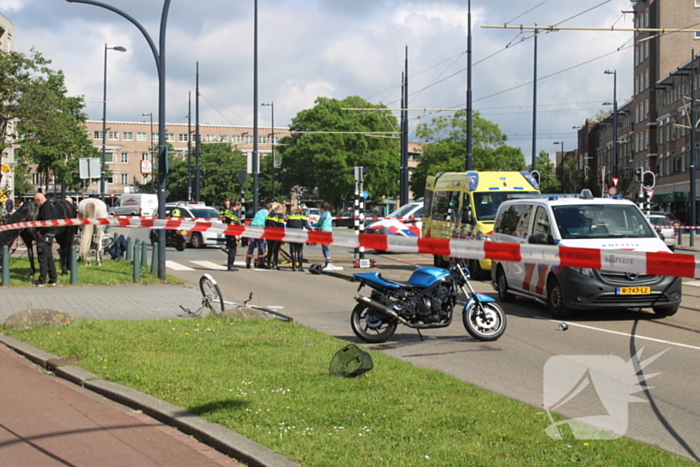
x: 425, y: 277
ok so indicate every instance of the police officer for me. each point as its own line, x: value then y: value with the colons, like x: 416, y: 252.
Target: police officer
x: 297, y: 221
x: 44, y: 241
x: 230, y: 215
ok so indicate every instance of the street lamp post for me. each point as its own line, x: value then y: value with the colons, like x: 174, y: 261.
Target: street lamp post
x: 150, y: 148
x: 614, y: 73
x: 272, y: 143
x: 159, y: 55
x: 104, y: 121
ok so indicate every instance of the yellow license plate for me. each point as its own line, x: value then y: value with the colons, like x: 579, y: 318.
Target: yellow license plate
x: 633, y: 290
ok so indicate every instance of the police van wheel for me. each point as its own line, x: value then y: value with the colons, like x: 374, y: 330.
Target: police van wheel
x: 555, y: 300
x: 197, y: 241
x: 502, y: 284
x: 477, y: 272
x: 439, y: 262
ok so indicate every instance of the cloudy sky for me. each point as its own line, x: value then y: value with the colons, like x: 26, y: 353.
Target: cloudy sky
x: 338, y: 48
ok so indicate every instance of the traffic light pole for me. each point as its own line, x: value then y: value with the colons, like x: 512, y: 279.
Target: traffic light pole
x: 692, y: 194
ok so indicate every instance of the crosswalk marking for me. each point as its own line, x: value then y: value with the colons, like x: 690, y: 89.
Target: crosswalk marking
x: 177, y: 266
x: 209, y: 265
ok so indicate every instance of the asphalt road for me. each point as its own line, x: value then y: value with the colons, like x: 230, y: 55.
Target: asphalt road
x: 515, y: 365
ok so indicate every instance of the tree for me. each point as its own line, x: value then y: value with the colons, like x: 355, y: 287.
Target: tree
x: 325, y: 160
x: 219, y: 165
x: 548, y: 176
x: 446, y: 148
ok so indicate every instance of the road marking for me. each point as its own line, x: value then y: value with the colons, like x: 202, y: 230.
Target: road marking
x: 636, y: 336
x: 209, y: 265
x: 177, y: 266
x: 693, y: 283
x: 275, y: 307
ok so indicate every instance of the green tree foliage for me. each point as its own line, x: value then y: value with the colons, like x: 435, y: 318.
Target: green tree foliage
x: 219, y: 165
x: 324, y: 161
x: 51, y: 129
x: 548, y: 176
x: 446, y: 148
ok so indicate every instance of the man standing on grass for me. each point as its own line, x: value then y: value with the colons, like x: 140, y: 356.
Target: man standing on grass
x: 44, y: 241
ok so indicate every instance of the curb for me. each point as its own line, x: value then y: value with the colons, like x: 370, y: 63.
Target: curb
x: 212, y: 434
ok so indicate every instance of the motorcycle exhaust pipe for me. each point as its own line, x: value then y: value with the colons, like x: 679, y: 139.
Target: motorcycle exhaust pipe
x: 379, y: 307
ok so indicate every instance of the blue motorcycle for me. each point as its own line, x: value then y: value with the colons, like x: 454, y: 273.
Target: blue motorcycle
x: 426, y: 301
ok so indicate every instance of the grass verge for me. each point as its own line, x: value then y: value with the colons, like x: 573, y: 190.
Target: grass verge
x: 269, y: 382
x: 110, y: 273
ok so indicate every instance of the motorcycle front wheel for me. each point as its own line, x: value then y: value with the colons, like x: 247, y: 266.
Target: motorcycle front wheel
x: 484, y: 321
x: 370, y: 325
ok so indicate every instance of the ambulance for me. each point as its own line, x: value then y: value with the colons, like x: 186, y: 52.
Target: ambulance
x: 463, y: 205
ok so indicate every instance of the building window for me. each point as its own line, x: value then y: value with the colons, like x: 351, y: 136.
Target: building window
x: 236, y: 138
x: 249, y: 139
x: 125, y: 179
x: 109, y: 179
x: 275, y: 140
x: 125, y: 158
x: 141, y: 136
x: 182, y: 137
x: 97, y: 135
x: 128, y: 136
x: 154, y: 137
x: 169, y: 137
x: 108, y: 157
x: 145, y: 156
x: 262, y: 139
x: 35, y: 178
x: 113, y: 135
x: 210, y: 138
x: 223, y: 138
x: 697, y: 3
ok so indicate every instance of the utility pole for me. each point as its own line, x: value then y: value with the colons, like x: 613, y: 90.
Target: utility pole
x: 469, y: 158
x: 197, y: 138
x: 693, y: 152
x: 189, y: 146
x: 534, y: 110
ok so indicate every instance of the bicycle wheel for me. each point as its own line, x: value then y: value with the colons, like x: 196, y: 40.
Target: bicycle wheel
x: 211, y: 294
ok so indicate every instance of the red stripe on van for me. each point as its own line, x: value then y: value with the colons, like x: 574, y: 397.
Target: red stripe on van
x: 529, y: 271
x: 579, y: 257
x: 670, y: 264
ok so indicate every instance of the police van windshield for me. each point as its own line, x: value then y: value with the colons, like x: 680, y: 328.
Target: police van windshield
x: 601, y: 221
x: 487, y: 203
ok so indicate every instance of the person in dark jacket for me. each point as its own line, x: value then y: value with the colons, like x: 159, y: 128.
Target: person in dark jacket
x: 44, y: 241
x: 297, y: 221
x: 230, y: 215
x: 274, y: 219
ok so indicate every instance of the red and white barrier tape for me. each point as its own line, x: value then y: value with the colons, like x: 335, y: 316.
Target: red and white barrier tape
x: 667, y: 264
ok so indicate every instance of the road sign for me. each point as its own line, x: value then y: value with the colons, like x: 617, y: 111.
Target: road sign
x: 612, y: 191
x: 5, y: 168
x: 615, y: 181
x: 89, y: 167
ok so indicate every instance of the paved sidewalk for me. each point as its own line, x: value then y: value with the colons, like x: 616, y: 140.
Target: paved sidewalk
x: 46, y: 421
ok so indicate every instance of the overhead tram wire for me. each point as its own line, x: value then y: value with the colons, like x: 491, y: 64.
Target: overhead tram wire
x: 583, y: 13
x: 528, y: 11
x: 220, y: 113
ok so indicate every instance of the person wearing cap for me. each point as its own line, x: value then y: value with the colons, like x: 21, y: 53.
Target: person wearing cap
x: 44, y: 241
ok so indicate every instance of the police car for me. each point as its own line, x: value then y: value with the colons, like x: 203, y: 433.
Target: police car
x: 197, y: 211
x: 582, y: 222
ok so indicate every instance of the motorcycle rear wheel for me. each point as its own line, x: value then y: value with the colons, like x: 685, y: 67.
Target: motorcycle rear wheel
x: 485, y: 321
x: 370, y: 325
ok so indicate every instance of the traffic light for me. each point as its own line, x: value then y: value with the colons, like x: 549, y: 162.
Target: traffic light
x: 358, y: 173
x: 638, y: 175
x: 648, y: 180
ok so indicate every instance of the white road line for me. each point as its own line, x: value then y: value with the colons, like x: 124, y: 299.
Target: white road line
x: 636, y: 336
x: 275, y: 307
x: 693, y: 283
x: 177, y: 266
x: 209, y: 265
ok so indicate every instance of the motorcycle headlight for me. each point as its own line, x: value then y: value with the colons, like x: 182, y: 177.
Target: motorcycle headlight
x: 584, y: 271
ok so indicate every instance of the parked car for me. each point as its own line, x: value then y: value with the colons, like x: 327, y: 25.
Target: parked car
x: 584, y: 222
x: 675, y: 221
x: 406, y: 221
x: 663, y: 226
x: 135, y: 204
x: 347, y: 218
x: 193, y: 210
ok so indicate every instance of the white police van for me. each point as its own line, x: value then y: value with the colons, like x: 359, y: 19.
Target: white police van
x: 581, y: 222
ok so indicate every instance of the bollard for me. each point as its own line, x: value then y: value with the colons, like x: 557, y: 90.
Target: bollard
x: 154, y: 259
x: 137, y: 263
x: 144, y: 254
x: 5, y: 266
x: 73, y: 265
x: 129, y: 249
